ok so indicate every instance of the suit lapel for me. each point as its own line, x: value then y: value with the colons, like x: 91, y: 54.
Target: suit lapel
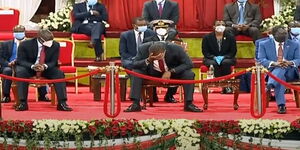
x: 84, y: 7
x: 286, y: 48
x: 10, y: 47
x: 247, y: 8
x: 35, y: 47
x: 132, y: 34
x: 215, y: 43
x: 236, y: 15
x: 165, y: 9
x: 272, y: 46
x: 155, y: 9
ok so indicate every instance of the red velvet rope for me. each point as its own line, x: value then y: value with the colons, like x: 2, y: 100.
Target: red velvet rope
x: 49, y: 81
x: 183, y: 81
x: 254, y: 95
x: 283, y: 82
x: 107, y: 93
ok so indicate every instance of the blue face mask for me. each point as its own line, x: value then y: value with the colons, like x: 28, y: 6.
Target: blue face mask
x: 271, y: 36
x: 19, y: 35
x: 142, y: 28
x: 295, y: 31
x: 242, y: 1
x: 92, y: 2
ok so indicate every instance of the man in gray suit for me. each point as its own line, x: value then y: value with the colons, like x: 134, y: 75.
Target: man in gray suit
x: 242, y: 17
x: 161, y: 9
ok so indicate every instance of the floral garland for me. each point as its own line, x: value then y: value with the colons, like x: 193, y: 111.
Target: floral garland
x: 58, y: 21
x: 285, y: 16
x: 191, y: 134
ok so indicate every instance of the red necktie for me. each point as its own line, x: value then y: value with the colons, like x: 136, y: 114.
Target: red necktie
x: 160, y: 9
x: 280, y: 53
x: 42, y: 56
x: 161, y: 65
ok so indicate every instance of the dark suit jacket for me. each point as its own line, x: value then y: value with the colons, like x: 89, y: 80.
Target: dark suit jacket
x: 128, y: 45
x: 28, y: 52
x: 81, y: 13
x: 297, y: 13
x: 175, y: 57
x: 170, y: 11
x: 210, y: 47
x: 6, y: 52
x: 252, y: 14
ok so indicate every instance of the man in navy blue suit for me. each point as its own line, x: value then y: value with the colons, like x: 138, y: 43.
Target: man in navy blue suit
x: 90, y: 17
x: 282, y: 57
x: 131, y: 39
x: 8, y: 56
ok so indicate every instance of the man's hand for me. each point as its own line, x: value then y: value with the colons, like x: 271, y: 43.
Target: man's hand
x: 286, y: 64
x: 38, y: 67
x: 12, y: 63
x: 245, y: 27
x: 151, y: 57
x: 96, y: 13
x: 166, y: 75
x: 237, y: 27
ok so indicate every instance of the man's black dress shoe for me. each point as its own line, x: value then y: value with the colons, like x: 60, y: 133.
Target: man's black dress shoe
x: 170, y: 99
x: 98, y: 59
x: 192, y: 108
x: 281, y: 109
x: 155, y: 98
x: 22, y: 107
x: 5, y: 99
x: 227, y: 90
x: 133, y: 108
x: 44, y: 98
x: 63, y: 107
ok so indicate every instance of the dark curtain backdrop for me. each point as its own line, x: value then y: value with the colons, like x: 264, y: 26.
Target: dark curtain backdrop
x: 195, y: 15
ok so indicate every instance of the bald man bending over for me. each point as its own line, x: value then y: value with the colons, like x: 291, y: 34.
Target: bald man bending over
x: 39, y: 56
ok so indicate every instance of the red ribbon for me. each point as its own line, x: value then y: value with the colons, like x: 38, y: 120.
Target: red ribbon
x: 183, y: 81
x: 49, y: 81
x: 254, y: 95
x: 117, y: 95
x: 297, y: 88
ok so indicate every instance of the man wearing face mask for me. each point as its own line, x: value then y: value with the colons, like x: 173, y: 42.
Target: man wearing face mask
x: 8, y: 61
x: 132, y: 39
x: 157, y: 59
x: 282, y: 57
x: 294, y: 31
x: 242, y: 17
x: 39, y: 56
x: 161, y: 27
x: 90, y: 19
x: 219, y: 50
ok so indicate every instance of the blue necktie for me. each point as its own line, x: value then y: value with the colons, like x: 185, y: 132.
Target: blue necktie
x: 14, y: 53
x: 241, y: 16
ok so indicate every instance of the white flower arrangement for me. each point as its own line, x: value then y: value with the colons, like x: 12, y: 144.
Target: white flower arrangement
x: 188, y: 138
x: 276, y: 128
x: 67, y: 126
x: 59, y: 21
x: 285, y: 16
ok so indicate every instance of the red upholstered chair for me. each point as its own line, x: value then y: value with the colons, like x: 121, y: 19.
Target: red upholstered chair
x: 243, y: 39
x: 76, y: 37
x: 66, y: 60
x: 9, y: 19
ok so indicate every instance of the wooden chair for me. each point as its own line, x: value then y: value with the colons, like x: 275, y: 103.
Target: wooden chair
x: 11, y: 17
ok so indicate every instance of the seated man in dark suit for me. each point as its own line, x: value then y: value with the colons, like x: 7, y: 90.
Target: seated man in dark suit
x: 219, y: 50
x: 165, y: 60
x: 162, y: 27
x: 90, y: 18
x: 242, y: 17
x: 39, y: 56
x: 8, y: 58
x: 132, y: 39
x: 282, y: 57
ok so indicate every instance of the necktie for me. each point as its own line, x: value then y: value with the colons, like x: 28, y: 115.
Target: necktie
x: 139, y: 40
x: 160, y: 9
x: 42, y: 56
x: 280, y: 53
x: 14, y: 53
x: 241, y: 16
x: 161, y: 65
x: 163, y: 38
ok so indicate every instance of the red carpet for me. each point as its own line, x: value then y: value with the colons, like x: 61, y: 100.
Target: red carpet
x: 220, y: 108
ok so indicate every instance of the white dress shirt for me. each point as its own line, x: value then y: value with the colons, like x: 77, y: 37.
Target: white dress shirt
x: 156, y: 65
x: 40, y: 46
x: 162, y: 4
x: 136, y: 34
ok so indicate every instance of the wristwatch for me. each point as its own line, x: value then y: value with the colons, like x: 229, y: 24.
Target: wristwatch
x: 172, y: 70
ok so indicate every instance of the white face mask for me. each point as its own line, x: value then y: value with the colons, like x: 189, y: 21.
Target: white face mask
x: 161, y: 31
x: 48, y: 43
x: 220, y: 28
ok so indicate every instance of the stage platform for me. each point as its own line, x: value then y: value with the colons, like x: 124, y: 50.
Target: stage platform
x: 85, y: 108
